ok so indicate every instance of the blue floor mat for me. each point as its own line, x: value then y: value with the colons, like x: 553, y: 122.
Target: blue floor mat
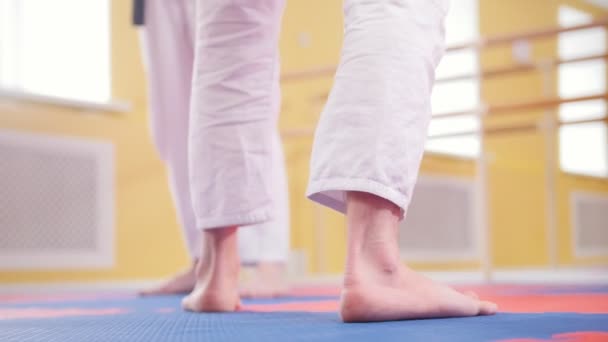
x: 160, y: 319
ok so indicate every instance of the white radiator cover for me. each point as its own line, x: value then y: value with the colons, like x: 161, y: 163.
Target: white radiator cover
x: 589, y: 223
x: 56, y: 202
x: 440, y: 224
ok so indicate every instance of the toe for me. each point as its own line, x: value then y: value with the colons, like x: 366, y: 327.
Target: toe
x: 487, y: 308
x: 186, y: 303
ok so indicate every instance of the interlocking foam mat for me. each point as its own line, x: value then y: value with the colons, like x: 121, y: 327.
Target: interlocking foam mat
x: 528, y: 313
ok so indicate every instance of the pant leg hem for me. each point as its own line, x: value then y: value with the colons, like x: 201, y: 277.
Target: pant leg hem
x: 194, y: 250
x: 331, y: 192
x: 243, y: 219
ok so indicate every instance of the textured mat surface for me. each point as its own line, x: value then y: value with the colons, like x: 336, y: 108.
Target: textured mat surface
x: 529, y: 313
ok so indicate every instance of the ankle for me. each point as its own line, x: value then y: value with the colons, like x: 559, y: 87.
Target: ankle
x: 220, y: 257
x: 372, y: 270
x: 369, y: 206
x: 220, y: 241
x: 219, y: 236
x: 371, y: 219
x: 373, y: 233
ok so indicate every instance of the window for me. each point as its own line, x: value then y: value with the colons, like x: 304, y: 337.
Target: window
x: 583, y: 146
x: 461, y: 95
x: 58, y: 48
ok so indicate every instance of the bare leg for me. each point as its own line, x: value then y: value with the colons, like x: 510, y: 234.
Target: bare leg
x: 271, y: 239
x: 167, y: 46
x: 232, y: 122
x: 377, y: 286
x: 217, y: 274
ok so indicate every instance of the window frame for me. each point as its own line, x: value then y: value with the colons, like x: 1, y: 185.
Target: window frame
x: 16, y: 93
x: 476, y: 81
x: 565, y: 122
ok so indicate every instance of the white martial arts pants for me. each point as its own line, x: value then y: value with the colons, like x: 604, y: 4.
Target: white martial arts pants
x: 168, y: 40
x: 372, y: 131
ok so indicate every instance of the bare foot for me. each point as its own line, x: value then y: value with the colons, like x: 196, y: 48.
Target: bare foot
x: 377, y: 286
x: 269, y: 281
x: 182, y: 282
x: 217, y: 274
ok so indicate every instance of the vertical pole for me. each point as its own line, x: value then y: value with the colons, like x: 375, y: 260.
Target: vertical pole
x: 549, y: 129
x: 319, y: 222
x: 482, y: 207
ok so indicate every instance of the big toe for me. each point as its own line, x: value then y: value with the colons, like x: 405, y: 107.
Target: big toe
x: 487, y: 308
x: 187, y: 303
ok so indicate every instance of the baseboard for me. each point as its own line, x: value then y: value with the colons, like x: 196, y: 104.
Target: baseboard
x: 553, y: 276
x: 76, y: 287
x: 557, y: 276
x: 527, y: 276
x: 561, y: 276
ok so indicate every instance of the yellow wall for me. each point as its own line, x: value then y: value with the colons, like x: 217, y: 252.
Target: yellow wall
x: 148, y: 243
x: 517, y: 170
x: 320, y: 233
x: 310, y: 37
x: 568, y: 184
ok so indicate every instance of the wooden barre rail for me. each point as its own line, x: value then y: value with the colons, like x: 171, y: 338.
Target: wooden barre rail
x: 491, y: 110
x: 530, y: 35
x: 320, y: 71
x: 527, y: 127
x: 520, y: 106
x: 483, y: 43
x: 500, y: 71
x: 519, y: 128
x: 540, y: 104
